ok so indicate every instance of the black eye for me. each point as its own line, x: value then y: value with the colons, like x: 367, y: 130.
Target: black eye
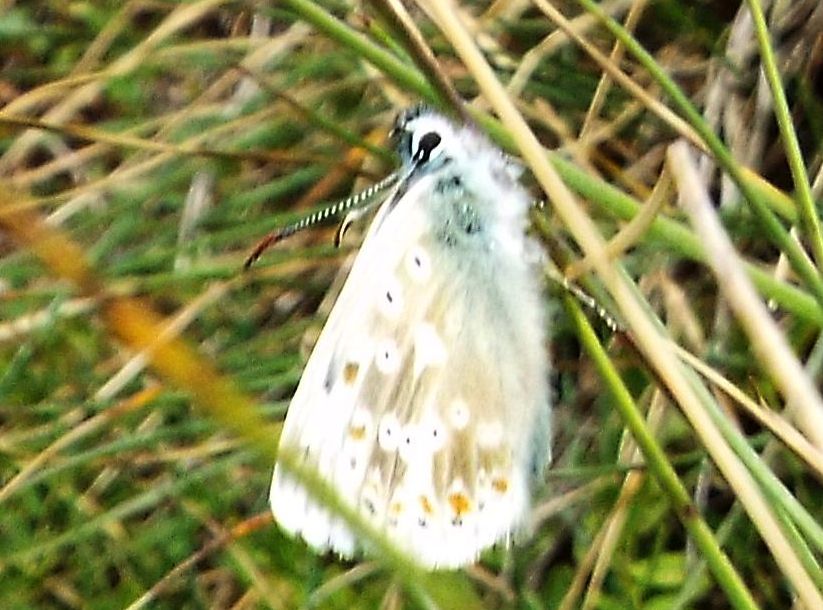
x: 427, y: 144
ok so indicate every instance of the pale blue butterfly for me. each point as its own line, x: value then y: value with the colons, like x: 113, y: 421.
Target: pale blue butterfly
x: 425, y: 402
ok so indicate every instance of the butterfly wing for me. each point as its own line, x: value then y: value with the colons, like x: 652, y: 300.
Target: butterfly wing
x: 425, y: 400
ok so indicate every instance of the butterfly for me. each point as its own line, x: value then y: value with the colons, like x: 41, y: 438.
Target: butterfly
x: 425, y: 402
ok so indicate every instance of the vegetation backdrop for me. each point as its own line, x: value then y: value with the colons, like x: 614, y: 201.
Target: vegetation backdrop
x: 147, y: 145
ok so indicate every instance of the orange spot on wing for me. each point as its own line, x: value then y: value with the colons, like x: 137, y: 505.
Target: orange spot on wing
x: 357, y: 433
x: 426, y: 505
x: 500, y: 485
x: 350, y: 372
x: 396, y: 508
x: 460, y: 503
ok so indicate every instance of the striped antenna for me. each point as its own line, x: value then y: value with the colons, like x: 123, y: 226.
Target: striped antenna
x: 355, y: 201
x: 585, y: 299
x: 591, y: 303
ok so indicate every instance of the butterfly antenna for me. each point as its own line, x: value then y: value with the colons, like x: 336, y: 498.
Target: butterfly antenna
x: 355, y: 201
x: 587, y: 301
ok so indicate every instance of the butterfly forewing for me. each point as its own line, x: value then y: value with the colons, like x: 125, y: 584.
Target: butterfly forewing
x: 425, y: 401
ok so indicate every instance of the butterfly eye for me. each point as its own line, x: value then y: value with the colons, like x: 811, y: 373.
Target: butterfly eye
x: 426, y: 146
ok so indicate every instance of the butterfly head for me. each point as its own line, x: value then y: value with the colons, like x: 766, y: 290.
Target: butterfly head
x: 459, y: 172
x: 428, y: 141
x: 425, y: 139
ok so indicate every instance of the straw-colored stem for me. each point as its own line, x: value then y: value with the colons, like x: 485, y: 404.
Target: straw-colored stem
x: 773, y: 228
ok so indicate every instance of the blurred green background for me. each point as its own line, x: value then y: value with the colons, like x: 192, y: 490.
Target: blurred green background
x: 164, y: 139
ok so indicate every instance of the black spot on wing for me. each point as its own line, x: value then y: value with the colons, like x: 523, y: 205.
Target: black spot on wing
x: 328, y: 380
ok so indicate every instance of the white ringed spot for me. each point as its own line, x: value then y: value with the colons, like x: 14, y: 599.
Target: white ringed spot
x: 387, y: 357
x: 459, y: 414
x: 429, y: 349
x: 389, y: 433
x: 432, y: 433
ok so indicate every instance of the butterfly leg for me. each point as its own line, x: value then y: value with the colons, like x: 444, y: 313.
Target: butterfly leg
x: 351, y: 217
